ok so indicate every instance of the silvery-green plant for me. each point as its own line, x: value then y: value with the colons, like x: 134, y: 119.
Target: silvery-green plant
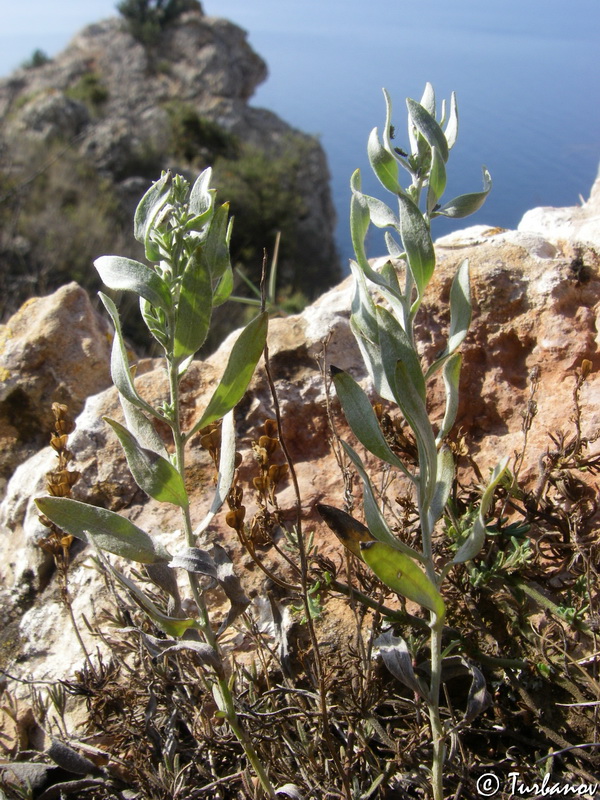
x: 187, y: 274
x: 385, y: 335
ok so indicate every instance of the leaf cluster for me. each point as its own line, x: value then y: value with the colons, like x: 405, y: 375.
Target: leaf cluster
x: 147, y: 19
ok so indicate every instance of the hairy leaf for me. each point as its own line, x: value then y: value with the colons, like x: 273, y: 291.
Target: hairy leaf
x: 126, y: 275
x: 417, y: 243
x: 110, y: 531
x: 428, y: 127
x: 361, y: 418
x: 154, y: 474
x: 239, y: 370
x: 466, y: 204
x: 397, y: 658
x: 194, y: 308
x: 384, y: 165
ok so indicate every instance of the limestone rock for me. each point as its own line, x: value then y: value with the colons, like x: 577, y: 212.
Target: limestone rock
x: 54, y: 349
x: 536, y: 307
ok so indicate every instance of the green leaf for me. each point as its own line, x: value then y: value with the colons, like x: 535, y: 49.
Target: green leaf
x: 437, y: 180
x: 153, y: 474
x: 428, y: 99
x: 387, y: 141
x: 362, y: 420
x: 417, y: 243
x: 194, y: 308
x: 401, y: 574
x: 172, y: 626
x: 141, y: 427
x: 443, y: 485
x: 216, y: 244
x: 373, y: 515
x: 201, y: 201
x: 119, y: 363
x: 414, y: 409
x: 381, y: 215
x: 428, y: 127
x: 396, y: 346
x: 451, y: 132
x: 460, y: 316
x: 148, y: 209
x: 474, y: 541
x: 384, y: 165
x: 127, y: 275
x: 466, y: 204
x: 451, y: 376
x: 111, y: 532
x: 224, y: 287
x: 460, y: 307
x: 226, y: 471
x: 239, y: 370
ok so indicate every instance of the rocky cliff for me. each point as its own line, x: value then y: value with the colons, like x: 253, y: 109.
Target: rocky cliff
x: 82, y: 136
x: 535, y: 320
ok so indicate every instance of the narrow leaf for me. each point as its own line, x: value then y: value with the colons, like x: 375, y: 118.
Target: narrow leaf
x: 239, y: 370
x: 443, y: 485
x: 141, y: 427
x: 216, y: 244
x: 414, y: 409
x: 428, y: 99
x: 226, y: 471
x: 373, y: 514
x: 387, y: 139
x: 437, y: 180
x: 194, y: 308
x: 149, y: 207
x: 126, y: 275
x: 224, y: 287
x: 205, y: 654
x: 119, y: 362
x: 110, y: 531
x: 401, y: 574
x: 172, y: 626
x: 460, y: 307
x: 451, y: 377
x: 451, y: 132
x: 384, y: 165
x: 201, y: 196
x: 417, y: 243
x: 381, y: 215
x: 362, y: 420
x: 397, y: 658
x: 154, y: 474
x: 396, y: 346
x: 474, y: 541
x: 466, y: 204
x: 428, y: 127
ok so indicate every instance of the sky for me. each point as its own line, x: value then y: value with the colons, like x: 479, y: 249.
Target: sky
x: 37, y: 24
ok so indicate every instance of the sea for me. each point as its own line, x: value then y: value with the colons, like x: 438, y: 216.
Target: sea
x: 526, y: 74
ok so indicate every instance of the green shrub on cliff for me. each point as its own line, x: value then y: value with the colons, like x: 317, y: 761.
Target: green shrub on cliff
x: 146, y: 19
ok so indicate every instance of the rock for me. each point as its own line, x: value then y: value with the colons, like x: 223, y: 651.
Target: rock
x: 54, y: 349
x: 111, y: 106
x: 536, y: 308
x: 579, y: 225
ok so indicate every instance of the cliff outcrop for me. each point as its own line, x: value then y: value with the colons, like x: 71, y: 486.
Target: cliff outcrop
x: 83, y: 135
x: 536, y: 309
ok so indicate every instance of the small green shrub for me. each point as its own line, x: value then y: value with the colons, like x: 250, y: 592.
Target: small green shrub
x: 147, y: 19
x: 37, y: 59
x: 90, y: 90
x: 196, y: 139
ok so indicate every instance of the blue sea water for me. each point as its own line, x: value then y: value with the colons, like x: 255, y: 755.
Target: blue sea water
x: 526, y: 75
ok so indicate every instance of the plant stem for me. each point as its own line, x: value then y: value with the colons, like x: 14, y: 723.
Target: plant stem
x: 221, y: 691
x: 437, y: 731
